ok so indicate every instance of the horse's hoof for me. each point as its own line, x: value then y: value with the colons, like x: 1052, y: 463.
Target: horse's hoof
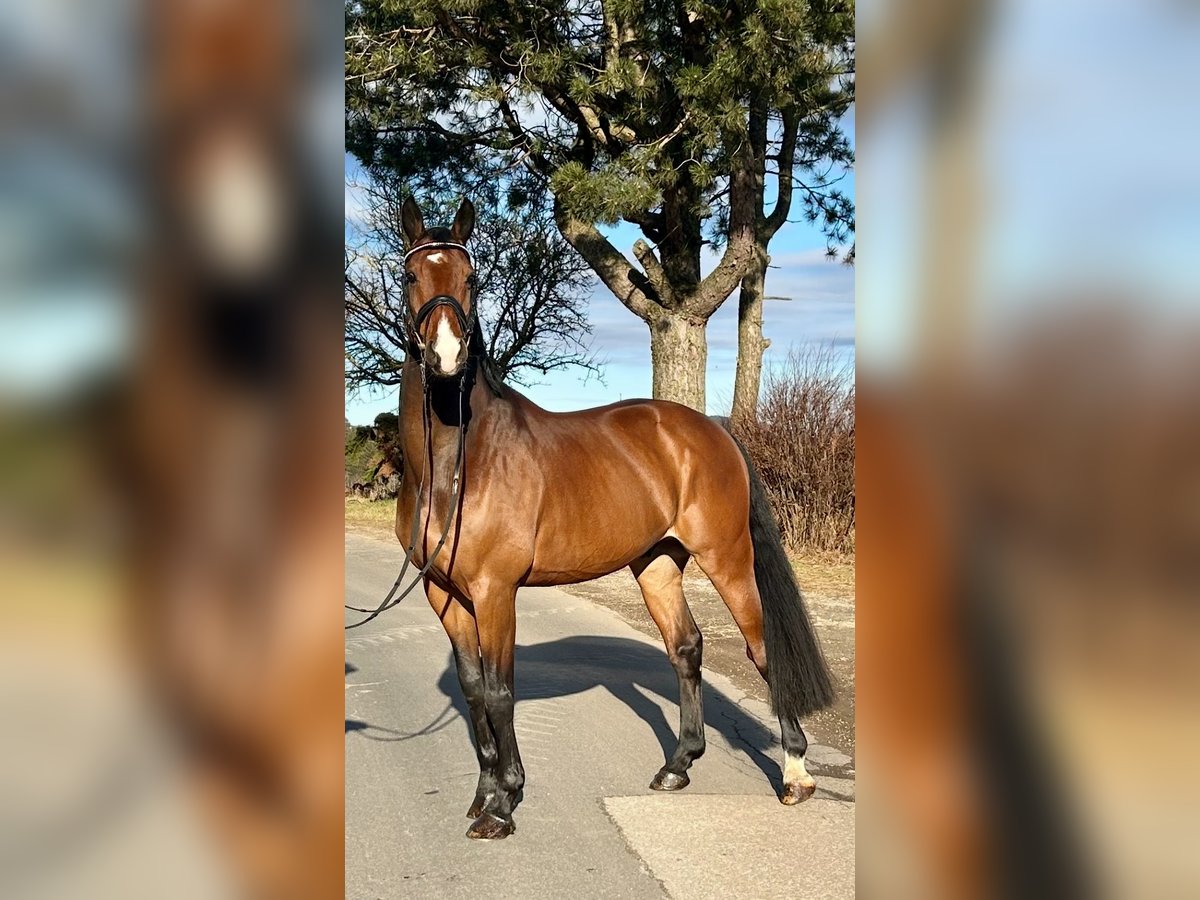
x: 489, y: 827
x: 669, y: 781
x: 797, y: 792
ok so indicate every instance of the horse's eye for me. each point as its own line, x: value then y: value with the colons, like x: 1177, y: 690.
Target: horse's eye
x: 472, y: 280
x: 410, y: 277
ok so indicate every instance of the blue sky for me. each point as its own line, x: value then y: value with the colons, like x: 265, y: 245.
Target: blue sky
x: 1085, y: 160
x: 821, y: 312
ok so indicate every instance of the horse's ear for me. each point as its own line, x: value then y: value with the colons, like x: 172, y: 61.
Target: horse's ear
x: 411, y: 220
x: 464, y: 222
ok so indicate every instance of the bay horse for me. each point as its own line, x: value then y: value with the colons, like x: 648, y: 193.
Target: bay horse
x: 498, y: 493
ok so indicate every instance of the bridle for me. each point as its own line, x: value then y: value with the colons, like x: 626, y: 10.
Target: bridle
x: 413, y: 323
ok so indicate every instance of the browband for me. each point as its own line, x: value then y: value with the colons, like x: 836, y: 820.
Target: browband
x: 440, y: 245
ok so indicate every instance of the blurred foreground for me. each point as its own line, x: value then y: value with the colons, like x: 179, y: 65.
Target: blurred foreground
x: 1028, y: 450
x: 170, y: 393
x: 1027, y: 433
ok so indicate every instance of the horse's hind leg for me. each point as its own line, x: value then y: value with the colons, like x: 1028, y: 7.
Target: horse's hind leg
x: 730, y: 568
x: 464, y: 639
x: 661, y: 580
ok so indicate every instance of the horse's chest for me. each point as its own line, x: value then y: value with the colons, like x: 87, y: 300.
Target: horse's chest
x: 458, y: 550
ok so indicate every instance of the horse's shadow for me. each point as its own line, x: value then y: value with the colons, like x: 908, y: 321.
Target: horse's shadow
x: 626, y: 669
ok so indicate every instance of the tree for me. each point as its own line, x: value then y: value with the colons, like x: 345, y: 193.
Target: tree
x: 623, y: 110
x: 532, y: 287
x: 782, y: 144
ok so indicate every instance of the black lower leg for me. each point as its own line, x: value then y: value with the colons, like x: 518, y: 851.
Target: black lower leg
x: 470, y: 678
x: 792, y: 737
x: 510, y: 774
x: 495, y: 819
x: 685, y: 658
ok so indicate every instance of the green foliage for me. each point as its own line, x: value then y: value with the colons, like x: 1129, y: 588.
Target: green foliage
x: 605, y: 195
x: 368, y: 446
x: 362, y: 454
x: 613, y: 106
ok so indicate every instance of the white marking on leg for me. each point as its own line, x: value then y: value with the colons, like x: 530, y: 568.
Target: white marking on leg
x: 794, y: 771
x: 446, y: 346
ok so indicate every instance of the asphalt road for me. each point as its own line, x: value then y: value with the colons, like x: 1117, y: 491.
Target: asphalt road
x: 596, y: 714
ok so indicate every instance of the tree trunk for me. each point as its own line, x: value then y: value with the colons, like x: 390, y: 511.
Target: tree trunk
x: 751, y: 344
x: 679, y: 355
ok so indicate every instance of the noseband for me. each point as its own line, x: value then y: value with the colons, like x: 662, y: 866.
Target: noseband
x: 466, y: 321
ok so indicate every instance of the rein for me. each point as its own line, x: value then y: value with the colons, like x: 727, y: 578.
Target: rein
x: 410, y: 552
x: 467, y: 323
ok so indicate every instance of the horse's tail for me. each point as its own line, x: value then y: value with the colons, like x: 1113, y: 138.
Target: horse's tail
x: 797, y: 674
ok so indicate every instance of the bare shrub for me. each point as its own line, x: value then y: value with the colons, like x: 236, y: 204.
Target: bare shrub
x: 802, y: 444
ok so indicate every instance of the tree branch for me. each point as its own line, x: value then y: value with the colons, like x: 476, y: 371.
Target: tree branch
x: 787, y: 152
x: 522, y: 137
x: 742, y: 245
x: 654, y: 271
x: 608, y: 262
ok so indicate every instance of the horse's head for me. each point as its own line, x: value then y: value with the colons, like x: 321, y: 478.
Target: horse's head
x: 441, y: 288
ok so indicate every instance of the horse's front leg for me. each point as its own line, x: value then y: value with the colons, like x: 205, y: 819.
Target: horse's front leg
x: 496, y: 618
x: 464, y: 638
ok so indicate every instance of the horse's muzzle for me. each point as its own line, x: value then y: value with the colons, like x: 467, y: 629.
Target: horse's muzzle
x: 445, y: 357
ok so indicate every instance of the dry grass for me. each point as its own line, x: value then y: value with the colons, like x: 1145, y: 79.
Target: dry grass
x: 802, y: 444
x: 826, y: 573
x: 377, y: 517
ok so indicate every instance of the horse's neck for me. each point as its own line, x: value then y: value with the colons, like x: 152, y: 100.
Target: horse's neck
x: 443, y: 417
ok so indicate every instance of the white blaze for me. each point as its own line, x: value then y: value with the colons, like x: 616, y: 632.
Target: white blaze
x: 238, y: 206
x: 446, y: 346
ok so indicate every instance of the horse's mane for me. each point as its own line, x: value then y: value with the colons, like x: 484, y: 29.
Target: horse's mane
x: 486, y: 365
